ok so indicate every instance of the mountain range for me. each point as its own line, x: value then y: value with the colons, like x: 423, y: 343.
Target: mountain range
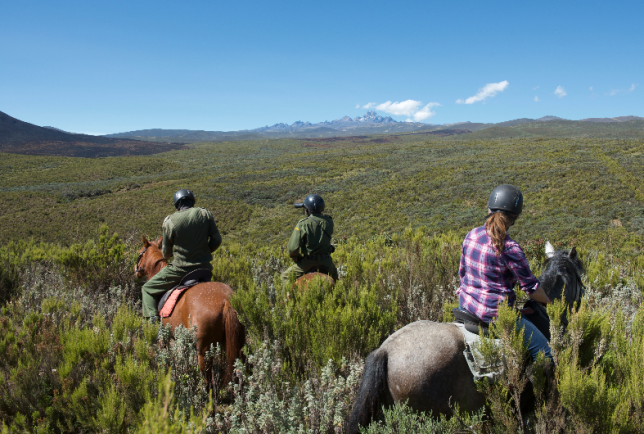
x: 21, y: 137
x: 370, y: 123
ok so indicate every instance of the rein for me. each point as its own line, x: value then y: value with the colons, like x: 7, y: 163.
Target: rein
x: 138, y: 269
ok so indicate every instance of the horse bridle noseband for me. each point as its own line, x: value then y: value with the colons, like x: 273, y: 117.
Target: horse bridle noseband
x: 138, y: 269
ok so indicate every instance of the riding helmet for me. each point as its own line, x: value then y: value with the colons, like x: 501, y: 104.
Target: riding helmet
x: 507, y: 198
x: 314, y: 203
x: 183, y: 194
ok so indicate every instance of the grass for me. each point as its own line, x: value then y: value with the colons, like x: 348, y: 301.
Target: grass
x: 401, y: 206
x: 574, y: 189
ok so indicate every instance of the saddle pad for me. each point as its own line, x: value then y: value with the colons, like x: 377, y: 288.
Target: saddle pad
x: 168, y: 306
x: 479, y: 368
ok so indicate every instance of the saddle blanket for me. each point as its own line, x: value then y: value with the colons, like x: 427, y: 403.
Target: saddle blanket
x: 479, y: 367
x: 170, y: 302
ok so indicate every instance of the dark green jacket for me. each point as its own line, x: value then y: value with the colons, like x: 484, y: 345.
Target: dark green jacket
x: 190, y: 236
x: 312, y: 236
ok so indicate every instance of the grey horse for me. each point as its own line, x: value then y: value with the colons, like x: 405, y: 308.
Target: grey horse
x: 423, y: 362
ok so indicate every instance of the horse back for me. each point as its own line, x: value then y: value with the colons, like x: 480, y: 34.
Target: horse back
x: 303, y: 281
x: 201, y: 304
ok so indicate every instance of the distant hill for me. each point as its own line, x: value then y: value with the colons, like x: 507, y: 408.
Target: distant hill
x: 617, y: 119
x: 372, y: 123
x: 630, y: 129
x: 21, y: 137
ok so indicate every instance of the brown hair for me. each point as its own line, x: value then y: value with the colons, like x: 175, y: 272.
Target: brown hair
x: 497, y: 226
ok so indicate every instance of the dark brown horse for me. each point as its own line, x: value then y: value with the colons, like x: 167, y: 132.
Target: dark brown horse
x: 205, y: 305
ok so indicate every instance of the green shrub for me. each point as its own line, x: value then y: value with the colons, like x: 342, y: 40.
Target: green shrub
x: 317, y: 323
x: 402, y: 419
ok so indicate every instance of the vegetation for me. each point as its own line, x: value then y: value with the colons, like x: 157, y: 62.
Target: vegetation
x: 77, y: 357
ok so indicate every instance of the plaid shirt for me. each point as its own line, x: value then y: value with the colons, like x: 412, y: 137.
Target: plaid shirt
x: 488, y: 279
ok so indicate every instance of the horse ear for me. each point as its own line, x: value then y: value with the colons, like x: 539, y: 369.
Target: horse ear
x: 160, y: 241
x: 550, y: 251
x: 573, y: 253
x: 146, y: 243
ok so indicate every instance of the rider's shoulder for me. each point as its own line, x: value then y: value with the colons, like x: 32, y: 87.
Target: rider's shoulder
x: 167, y: 222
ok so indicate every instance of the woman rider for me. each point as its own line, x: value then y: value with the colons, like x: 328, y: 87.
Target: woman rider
x: 492, y: 263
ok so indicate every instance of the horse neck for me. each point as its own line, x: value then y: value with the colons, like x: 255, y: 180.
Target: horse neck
x: 154, y: 262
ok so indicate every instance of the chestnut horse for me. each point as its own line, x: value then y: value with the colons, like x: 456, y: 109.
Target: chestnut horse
x: 205, y: 305
x: 303, y: 281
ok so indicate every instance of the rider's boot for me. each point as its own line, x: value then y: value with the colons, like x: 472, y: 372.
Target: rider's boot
x: 156, y: 319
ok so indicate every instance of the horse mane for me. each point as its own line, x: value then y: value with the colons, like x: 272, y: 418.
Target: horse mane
x: 563, y: 271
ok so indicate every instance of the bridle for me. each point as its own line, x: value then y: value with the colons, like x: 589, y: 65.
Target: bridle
x: 138, y: 269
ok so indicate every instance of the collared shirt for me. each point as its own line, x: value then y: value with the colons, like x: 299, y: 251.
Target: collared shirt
x: 487, y: 279
x: 191, y: 236
x: 311, y: 236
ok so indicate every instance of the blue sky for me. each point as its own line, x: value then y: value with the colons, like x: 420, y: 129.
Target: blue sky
x: 106, y: 67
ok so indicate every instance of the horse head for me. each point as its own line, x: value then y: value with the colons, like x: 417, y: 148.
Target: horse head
x: 562, y: 275
x: 150, y: 256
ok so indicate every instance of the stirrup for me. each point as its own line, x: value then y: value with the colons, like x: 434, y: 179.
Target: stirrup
x: 156, y: 319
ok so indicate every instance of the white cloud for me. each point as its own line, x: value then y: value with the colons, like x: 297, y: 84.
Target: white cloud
x: 591, y: 88
x: 536, y: 99
x: 426, y: 112
x: 487, y: 91
x: 357, y: 105
x: 535, y: 88
x: 560, y: 92
x: 614, y: 92
x: 402, y: 108
x: 410, y: 108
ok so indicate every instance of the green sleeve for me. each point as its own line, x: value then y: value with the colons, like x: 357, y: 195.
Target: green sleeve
x: 168, y: 240
x: 295, y: 242
x: 214, y: 240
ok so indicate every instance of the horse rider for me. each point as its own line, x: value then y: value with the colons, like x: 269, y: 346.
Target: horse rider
x: 492, y: 263
x: 310, y: 244
x: 191, y: 236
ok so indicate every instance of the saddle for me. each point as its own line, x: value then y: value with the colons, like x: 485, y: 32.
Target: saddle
x: 170, y: 298
x: 470, y: 321
x: 318, y: 269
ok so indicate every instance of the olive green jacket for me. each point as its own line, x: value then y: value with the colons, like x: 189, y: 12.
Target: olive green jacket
x: 311, y: 236
x: 190, y: 236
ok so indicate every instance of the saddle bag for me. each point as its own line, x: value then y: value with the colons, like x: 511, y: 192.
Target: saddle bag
x: 191, y: 279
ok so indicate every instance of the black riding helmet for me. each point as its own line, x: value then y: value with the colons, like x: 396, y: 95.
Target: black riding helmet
x: 313, y: 202
x: 183, y: 196
x: 507, y: 198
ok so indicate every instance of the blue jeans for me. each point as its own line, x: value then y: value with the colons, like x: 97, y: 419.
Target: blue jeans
x: 533, y: 338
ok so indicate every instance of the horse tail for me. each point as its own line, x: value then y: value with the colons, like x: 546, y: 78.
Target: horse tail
x: 235, y: 339
x: 372, y: 391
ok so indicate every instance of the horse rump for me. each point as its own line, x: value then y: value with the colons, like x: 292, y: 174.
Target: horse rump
x: 372, y: 392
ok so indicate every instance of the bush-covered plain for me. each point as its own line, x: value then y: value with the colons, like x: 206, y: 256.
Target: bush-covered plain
x: 77, y: 357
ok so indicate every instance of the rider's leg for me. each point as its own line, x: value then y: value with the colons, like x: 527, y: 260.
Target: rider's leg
x: 163, y: 281
x: 295, y: 270
x: 534, y: 339
x: 333, y: 271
